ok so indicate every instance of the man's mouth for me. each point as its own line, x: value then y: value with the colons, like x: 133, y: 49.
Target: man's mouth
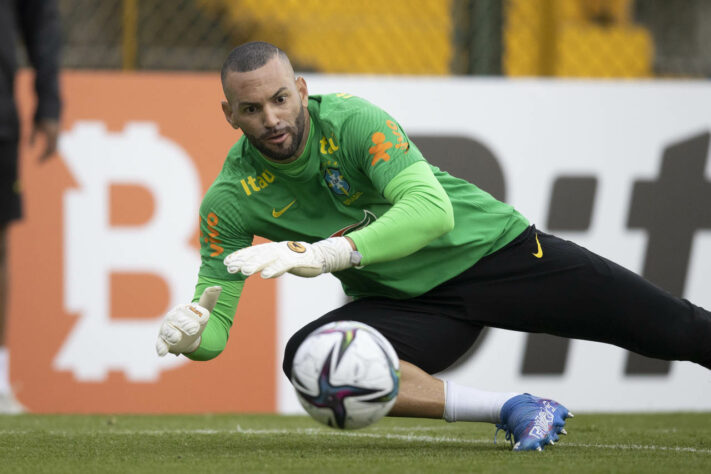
x: 277, y: 138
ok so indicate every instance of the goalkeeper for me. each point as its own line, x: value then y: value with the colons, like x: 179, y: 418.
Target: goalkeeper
x: 430, y: 260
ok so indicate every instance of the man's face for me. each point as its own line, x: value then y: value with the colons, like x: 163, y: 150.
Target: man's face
x: 269, y: 105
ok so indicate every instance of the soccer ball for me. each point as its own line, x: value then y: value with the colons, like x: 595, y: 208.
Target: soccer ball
x: 346, y: 375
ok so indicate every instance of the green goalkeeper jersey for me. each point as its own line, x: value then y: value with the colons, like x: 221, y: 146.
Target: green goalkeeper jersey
x: 336, y: 187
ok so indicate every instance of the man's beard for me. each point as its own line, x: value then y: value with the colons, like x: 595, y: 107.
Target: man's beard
x: 287, y: 153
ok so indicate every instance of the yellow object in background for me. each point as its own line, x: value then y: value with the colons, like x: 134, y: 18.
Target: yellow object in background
x: 365, y: 36
x: 575, y: 38
x: 595, y: 51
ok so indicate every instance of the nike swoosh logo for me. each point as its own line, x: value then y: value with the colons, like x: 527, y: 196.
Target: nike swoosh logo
x: 538, y: 254
x: 276, y: 213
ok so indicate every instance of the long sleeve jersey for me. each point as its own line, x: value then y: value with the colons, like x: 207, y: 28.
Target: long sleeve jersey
x: 359, y: 175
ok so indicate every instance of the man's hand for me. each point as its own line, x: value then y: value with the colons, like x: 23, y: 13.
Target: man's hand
x: 299, y: 258
x: 49, y: 128
x: 183, y: 325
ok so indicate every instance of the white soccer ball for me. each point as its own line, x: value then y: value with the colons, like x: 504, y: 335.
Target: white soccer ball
x: 346, y: 375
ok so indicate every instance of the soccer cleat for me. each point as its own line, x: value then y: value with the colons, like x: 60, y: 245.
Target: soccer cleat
x: 532, y: 422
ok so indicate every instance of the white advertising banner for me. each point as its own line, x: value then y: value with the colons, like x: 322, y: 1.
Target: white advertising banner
x: 110, y: 234
x: 618, y: 167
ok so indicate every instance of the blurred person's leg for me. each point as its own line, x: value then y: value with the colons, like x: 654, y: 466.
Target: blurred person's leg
x: 10, y: 210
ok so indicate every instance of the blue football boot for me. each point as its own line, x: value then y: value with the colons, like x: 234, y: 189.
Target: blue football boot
x: 533, y: 422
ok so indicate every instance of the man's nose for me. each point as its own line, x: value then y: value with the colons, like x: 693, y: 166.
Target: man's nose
x: 271, y: 119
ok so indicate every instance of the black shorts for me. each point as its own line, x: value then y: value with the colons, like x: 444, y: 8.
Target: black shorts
x: 10, y: 199
x: 568, y: 291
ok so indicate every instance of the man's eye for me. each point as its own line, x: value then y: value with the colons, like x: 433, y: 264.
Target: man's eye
x: 281, y: 99
x: 249, y: 110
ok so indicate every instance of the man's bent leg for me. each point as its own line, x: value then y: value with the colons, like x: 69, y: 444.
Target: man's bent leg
x: 420, y: 395
x: 424, y: 396
x: 531, y: 422
x: 414, y: 331
x: 422, y: 334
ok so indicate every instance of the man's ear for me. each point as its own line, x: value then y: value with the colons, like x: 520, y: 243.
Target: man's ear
x: 227, y: 110
x: 303, y: 91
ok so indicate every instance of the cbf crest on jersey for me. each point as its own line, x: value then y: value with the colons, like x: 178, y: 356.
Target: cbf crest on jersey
x: 336, y: 182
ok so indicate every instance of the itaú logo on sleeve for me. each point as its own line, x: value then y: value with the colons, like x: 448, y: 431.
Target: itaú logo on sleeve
x: 368, y: 218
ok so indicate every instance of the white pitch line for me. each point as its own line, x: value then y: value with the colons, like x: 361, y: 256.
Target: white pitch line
x: 640, y: 447
x: 349, y: 434
x: 444, y: 439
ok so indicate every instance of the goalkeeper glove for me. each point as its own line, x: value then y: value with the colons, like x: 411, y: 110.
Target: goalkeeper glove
x: 300, y: 258
x: 182, y: 326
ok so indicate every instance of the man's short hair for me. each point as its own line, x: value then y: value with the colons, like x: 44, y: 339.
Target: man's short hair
x: 250, y: 56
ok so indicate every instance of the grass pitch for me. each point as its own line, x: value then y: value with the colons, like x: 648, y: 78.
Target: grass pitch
x: 269, y: 443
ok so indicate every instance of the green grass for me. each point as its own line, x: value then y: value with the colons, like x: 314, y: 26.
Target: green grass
x: 679, y: 443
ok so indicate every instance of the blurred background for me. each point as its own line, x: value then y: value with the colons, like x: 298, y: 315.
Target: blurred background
x: 563, y: 38
x: 620, y: 166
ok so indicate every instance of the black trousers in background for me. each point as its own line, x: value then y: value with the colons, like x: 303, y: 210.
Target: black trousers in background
x: 568, y: 291
x: 10, y: 201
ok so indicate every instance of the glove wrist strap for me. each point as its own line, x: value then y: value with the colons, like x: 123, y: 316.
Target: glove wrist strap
x: 336, y: 253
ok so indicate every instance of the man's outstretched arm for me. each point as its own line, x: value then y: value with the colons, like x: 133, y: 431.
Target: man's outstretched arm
x: 421, y: 212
